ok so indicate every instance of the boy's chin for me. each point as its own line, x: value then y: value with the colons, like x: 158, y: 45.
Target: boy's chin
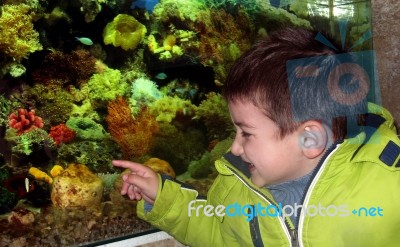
x: 258, y: 181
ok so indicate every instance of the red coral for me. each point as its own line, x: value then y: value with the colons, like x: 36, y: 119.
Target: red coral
x: 24, y: 121
x: 62, y: 134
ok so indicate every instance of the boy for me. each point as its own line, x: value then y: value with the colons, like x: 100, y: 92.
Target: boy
x: 310, y: 165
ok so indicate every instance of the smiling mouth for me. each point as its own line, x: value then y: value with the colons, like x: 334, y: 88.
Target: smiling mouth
x: 250, y: 165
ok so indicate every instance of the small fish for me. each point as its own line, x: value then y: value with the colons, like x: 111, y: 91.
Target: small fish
x: 19, y: 184
x: 161, y: 76
x: 84, y: 40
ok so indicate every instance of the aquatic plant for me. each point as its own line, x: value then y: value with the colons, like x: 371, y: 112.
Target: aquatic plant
x: 134, y: 136
x: 202, y: 33
x: 108, y: 180
x: 61, y: 134
x: 217, y: 27
x: 125, y: 32
x: 73, y: 68
x: 178, y: 146
x: 87, y: 129
x: 168, y: 108
x: 97, y: 155
x: 7, y: 199
x: 106, y: 86
x: 18, y: 38
x: 5, y: 107
x: 220, y: 149
x: 184, y: 10
x: 24, y: 121
x: 201, y: 168
x: 182, y: 88
x: 173, y: 44
x: 85, y: 109
x: 33, y: 141
x: 215, y: 114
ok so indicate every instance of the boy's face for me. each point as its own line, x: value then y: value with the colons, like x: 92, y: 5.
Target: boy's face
x: 271, y: 159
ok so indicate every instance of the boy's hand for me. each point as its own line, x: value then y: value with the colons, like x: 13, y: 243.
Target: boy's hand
x: 142, y: 182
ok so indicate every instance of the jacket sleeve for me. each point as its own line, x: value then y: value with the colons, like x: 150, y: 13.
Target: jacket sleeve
x: 174, y: 211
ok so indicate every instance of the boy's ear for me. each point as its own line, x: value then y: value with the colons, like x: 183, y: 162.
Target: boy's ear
x: 313, y: 139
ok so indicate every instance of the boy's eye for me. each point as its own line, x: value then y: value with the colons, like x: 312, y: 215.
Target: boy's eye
x: 245, y: 134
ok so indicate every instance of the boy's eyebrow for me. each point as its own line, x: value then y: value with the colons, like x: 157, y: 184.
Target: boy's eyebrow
x: 242, y: 124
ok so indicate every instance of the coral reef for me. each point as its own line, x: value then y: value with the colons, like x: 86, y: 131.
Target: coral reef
x: 220, y: 149
x: 18, y: 38
x: 218, y: 27
x: 201, y: 168
x: 125, y: 32
x: 87, y: 129
x: 73, y: 68
x: 7, y: 199
x: 77, y: 187
x: 24, y: 121
x: 56, y: 170
x: 143, y: 92
x: 97, y: 155
x: 202, y: 34
x: 5, y: 107
x: 51, y: 102
x: 173, y: 44
x: 215, y: 114
x: 61, y: 134
x: 108, y: 180
x: 168, y: 108
x: 40, y: 175
x: 134, y: 136
x: 178, y: 146
x: 106, y: 86
x: 35, y: 140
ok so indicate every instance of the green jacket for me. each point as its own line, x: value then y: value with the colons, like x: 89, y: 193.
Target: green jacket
x: 355, y: 189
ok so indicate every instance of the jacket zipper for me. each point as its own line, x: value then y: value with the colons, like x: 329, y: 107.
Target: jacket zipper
x: 289, y: 231
x: 295, y: 240
x: 315, y: 177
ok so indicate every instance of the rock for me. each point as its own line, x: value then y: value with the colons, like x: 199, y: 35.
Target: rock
x: 160, y: 166
x: 78, y: 187
x: 21, y: 216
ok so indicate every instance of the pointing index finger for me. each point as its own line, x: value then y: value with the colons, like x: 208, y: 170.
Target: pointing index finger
x: 135, y: 167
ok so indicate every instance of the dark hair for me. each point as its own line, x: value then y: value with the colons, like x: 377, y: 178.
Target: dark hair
x: 293, y: 78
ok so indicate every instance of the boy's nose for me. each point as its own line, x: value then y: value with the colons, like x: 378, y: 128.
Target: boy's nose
x: 236, y: 147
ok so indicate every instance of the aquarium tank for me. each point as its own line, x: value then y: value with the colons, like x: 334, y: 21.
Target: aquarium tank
x: 83, y: 82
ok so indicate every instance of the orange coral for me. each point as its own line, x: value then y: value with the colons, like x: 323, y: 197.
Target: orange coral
x: 134, y: 136
x: 17, y: 37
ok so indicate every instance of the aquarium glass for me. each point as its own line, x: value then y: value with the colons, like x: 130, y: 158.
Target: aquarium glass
x: 85, y: 82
